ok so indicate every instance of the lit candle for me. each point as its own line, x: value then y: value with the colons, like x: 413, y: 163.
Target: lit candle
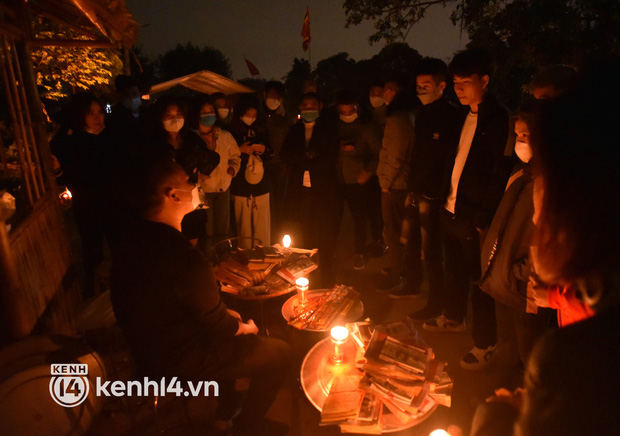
x: 65, y: 197
x: 339, y: 335
x: 302, y: 286
x: 286, y: 241
x: 439, y: 432
x: 66, y: 194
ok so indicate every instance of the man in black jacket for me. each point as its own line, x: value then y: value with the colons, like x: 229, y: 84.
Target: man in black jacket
x: 473, y: 185
x: 313, y: 192
x: 435, y: 130
x: 168, y: 306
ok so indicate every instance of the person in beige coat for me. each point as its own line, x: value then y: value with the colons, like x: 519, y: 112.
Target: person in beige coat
x: 393, y: 173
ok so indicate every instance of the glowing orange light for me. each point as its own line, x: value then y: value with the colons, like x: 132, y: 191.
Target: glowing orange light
x: 286, y: 241
x: 66, y: 195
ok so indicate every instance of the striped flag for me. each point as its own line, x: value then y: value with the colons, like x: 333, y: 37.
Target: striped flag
x: 305, y: 31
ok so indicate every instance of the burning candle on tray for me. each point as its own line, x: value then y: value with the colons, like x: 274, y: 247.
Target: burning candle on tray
x: 339, y: 336
x: 286, y: 241
x: 302, y: 285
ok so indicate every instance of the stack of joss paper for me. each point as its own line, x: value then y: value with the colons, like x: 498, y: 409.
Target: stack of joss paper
x: 328, y: 310
x: 395, y: 374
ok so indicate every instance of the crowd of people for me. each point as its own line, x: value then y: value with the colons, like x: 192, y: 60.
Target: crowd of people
x: 516, y: 213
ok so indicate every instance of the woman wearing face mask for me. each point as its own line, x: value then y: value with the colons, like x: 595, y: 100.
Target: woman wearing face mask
x: 223, y: 110
x: 250, y: 187
x: 359, y: 156
x: 311, y: 151
x: 86, y: 156
x: 216, y: 186
x: 175, y: 139
x: 505, y: 259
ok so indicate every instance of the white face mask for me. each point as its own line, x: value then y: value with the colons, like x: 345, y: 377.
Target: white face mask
x: 523, y: 151
x: 348, y: 118
x: 376, y: 102
x: 174, y: 124
x: 223, y: 112
x: 248, y: 121
x: 273, y: 103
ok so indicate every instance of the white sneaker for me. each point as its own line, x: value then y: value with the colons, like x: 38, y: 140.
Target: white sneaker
x: 477, y: 358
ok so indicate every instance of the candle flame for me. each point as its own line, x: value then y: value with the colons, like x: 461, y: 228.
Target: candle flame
x: 339, y: 333
x: 66, y: 194
x: 286, y: 241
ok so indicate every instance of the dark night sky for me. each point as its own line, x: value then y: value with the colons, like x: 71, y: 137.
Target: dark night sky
x: 268, y: 32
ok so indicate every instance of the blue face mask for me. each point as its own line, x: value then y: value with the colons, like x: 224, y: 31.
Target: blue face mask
x: 309, y: 116
x: 207, y: 120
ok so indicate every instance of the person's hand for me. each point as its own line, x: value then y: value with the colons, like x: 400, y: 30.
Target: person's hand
x: 246, y: 148
x: 363, y: 177
x: 258, y: 148
x: 346, y: 145
x: 247, y: 328
x: 538, y: 293
x: 55, y: 163
x: 503, y: 395
x: 231, y: 171
x: 234, y: 314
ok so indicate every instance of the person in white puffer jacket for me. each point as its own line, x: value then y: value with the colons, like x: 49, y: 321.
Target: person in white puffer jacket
x: 216, y: 186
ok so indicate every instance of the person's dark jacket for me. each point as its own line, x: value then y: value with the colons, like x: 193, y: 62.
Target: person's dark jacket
x: 486, y: 170
x: 436, y: 130
x: 572, y: 380
x: 193, y: 154
x: 397, y: 143
x: 166, y: 301
x: 319, y: 158
x: 87, y: 163
x: 277, y: 125
x: 505, y: 251
x: 366, y: 154
x: 255, y: 134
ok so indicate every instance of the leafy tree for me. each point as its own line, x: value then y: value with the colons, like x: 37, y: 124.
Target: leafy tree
x: 257, y: 84
x: 187, y: 59
x: 523, y: 35
x: 61, y: 71
x: 293, y: 82
x: 334, y: 73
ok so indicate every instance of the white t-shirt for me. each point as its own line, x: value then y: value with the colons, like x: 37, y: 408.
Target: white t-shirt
x: 467, y: 136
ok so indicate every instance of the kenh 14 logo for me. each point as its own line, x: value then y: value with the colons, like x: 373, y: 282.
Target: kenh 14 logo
x: 69, y: 385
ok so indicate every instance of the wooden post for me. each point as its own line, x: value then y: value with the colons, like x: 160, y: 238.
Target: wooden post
x: 13, y: 308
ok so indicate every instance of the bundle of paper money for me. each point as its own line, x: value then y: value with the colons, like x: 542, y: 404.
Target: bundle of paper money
x: 327, y: 310
x: 398, y: 372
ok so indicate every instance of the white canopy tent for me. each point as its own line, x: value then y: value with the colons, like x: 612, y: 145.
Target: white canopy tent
x: 206, y: 82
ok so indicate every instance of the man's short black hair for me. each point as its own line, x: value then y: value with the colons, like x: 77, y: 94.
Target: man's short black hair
x: 400, y: 79
x: 276, y: 86
x: 466, y: 63
x: 433, y: 67
x: 347, y: 97
x: 312, y: 95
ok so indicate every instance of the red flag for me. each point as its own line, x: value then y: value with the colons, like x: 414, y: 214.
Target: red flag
x: 253, y: 70
x: 305, y: 30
